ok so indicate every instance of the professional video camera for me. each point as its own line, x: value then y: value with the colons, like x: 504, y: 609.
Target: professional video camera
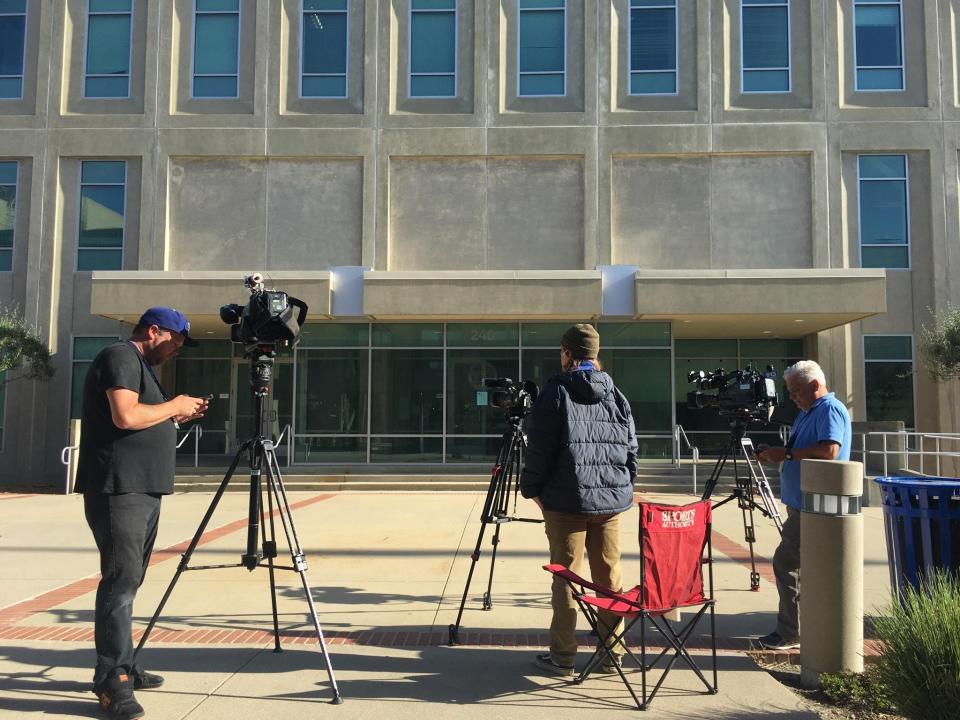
x: 268, y: 317
x: 515, y: 397
x: 746, y: 393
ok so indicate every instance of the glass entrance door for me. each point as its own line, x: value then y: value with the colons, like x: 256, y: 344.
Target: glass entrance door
x: 280, y: 405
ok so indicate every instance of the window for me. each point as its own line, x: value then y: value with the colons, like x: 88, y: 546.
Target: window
x: 103, y: 187
x: 878, y: 44
x: 216, y: 48
x: 13, y: 26
x: 414, y: 392
x: 884, y: 216
x: 542, y: 47
x: 433, y: 48
x: 888, y: 377
x: 85, y: 349
x: 107, y: 73
x: 765, y: 45
x: 323, y: 60
x: 8, y: 213
x: 653, y: 47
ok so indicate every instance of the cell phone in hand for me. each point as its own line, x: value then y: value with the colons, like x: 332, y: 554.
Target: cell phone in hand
x: 208, y: 398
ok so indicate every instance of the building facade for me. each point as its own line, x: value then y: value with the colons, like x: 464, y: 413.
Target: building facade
x: 450, y: 183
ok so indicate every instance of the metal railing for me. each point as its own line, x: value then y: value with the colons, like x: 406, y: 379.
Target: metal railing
x: 66, y: 457
x: 910, y: 449
x: 679, y: 434
x: 197, y: 431
x: 289, y: 436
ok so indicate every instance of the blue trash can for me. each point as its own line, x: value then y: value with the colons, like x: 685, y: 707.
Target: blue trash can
x: 921, y: 519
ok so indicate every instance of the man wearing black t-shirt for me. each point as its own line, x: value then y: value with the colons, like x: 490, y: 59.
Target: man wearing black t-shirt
x: 127, y: 454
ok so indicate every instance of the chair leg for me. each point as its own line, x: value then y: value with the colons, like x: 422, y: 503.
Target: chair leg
x: 678, y: 641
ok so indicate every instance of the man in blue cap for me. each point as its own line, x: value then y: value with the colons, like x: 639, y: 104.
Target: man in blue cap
x: 127, y: 456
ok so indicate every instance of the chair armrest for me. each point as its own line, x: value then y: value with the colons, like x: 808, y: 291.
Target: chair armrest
x: 571, y: 577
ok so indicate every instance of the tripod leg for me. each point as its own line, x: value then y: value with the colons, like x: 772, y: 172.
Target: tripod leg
x: 711, y: 483
x: 454, y: 629
x: 270, y: 550
x: 745, y: 500
x: 275, y: 479
x: 491, y: 503
x: 185, y: 558
x: 765, y: 492
x: 510, y: 478
x: 487, y: 596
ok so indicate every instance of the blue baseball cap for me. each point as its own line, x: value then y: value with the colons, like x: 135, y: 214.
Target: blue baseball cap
x: 169, y: 319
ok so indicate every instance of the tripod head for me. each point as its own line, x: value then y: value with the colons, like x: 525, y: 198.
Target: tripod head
x: 738, y: 425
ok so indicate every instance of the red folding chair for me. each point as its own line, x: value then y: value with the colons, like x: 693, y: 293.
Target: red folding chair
x: 675, y: 545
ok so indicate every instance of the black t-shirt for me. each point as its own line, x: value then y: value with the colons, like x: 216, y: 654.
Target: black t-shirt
x: 115, y: 461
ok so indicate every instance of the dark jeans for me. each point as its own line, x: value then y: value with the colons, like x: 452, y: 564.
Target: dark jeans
x: 125, y: 528
x: 786, y: 567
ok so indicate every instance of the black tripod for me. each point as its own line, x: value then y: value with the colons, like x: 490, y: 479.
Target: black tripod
x: 262, y: 458
x: 504, y: 481
x: 746, y: 488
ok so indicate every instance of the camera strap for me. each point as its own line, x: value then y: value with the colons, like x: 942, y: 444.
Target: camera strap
x: 153, y: 375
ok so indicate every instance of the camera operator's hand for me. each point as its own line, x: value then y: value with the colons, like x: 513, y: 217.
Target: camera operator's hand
x: 771, y: 454
x: 189, y: 408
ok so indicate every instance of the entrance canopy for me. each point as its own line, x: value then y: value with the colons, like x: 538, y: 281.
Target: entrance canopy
x: 699, y: 303
x: 759, y: 303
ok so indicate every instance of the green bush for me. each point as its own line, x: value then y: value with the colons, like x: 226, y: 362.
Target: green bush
x: 920, y: 665
x: 858, y: 690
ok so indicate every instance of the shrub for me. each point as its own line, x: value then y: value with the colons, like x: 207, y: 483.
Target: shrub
x: 21, y: 348
x: 920, y: 665
x: 856, y: 690
x: 940, y: 345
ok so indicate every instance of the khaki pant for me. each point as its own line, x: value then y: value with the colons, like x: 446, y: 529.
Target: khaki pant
x: 568, y: 536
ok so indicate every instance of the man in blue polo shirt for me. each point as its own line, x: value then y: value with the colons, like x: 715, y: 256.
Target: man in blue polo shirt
x: 820, y: 432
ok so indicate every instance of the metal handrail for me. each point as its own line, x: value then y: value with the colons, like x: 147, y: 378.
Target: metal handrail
x: 907, y: 452
x: 680, y: 434
x: 289, y: 441
x: 198, y: 431
x: 66, y: 457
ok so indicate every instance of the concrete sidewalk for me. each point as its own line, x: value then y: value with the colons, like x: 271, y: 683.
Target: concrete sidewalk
x: 387, y: 571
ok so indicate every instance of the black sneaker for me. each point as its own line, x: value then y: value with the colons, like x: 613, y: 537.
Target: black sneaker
x: 143, y: 680
x: 116, y: 698
x: 544, y: 661
x: 775, y: 641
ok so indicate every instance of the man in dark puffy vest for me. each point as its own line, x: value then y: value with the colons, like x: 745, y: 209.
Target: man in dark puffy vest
x: 579, y: 468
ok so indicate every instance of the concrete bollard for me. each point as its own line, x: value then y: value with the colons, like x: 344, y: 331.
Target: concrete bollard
x: 831, y: 569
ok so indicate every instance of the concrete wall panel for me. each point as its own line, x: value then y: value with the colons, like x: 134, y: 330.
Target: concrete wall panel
x: 661, y: 213
x: 437, y: 214
x: 496, y: 213
x: 234, y: 237
x: 284, y: 214
x: 315, y: 213
x: 761, y: 212
x: 535, y: 214
x: 720, y: 212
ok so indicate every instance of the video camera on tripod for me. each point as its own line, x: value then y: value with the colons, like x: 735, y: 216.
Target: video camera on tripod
x: 267, y: 318
x: 748, y: 393
x: 743, y: 396
x: 265, y: 322
x: 514, y: 397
